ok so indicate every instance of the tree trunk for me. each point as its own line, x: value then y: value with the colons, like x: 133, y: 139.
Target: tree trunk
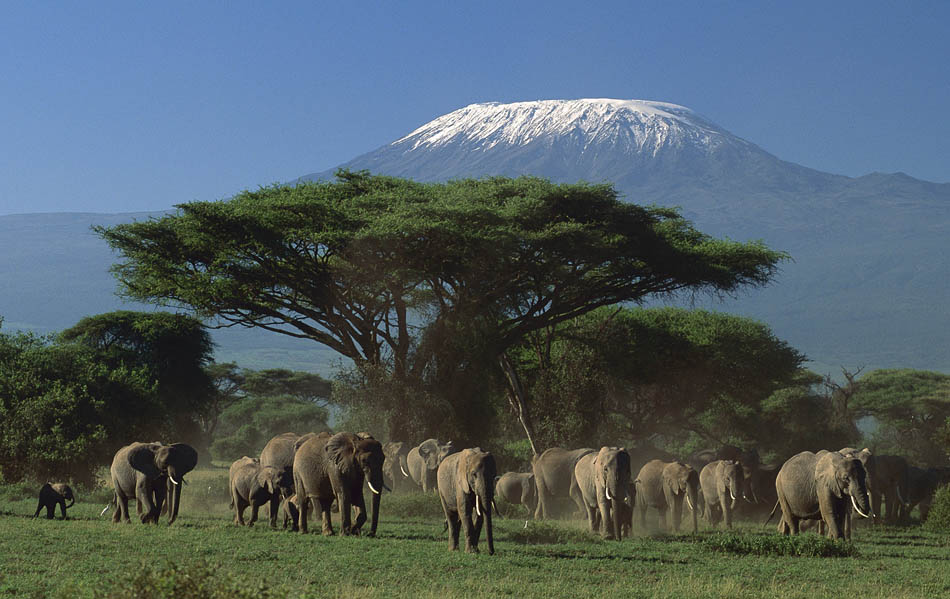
x: 518, y: 399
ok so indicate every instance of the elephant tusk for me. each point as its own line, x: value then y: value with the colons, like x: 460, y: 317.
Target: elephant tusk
x: 386, y: 488
x: 371, y: 487
x: 404, y: 473
x: 732, y: 494
x: 607, y: 493
x: 478, y: 509
x: 172, y: 478
x: 856, y: 508
x: 688, y: 502
x: 526, y: 524
x: 900, y: 498
x: 105, y: 509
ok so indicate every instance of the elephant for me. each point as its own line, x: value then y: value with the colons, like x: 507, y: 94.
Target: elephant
x: 423, y: 462
x: 149, y: 472
x: 603, y: 479
x: 466, y: 481
x: 518, y: 488
x: 279, y: 453
x: 722, y: 483
x: 253, y: 484
x: 328, y: 468
x: 665, y: 486
x: 53, y: 494
x: 761, y: 490
x: 921, y: 486
x: 823, y: 486
x: 889, y: 482
x: 396, y: 468
x: 554, y: 476
x: 291, y: 512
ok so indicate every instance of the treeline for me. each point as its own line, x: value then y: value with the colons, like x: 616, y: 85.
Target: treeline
x: 496, y: 312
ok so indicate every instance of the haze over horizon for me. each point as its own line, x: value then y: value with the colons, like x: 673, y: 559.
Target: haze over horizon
x: 131, y: 109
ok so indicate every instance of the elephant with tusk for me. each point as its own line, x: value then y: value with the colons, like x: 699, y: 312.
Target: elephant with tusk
x: 328, y: 468
x: 150, y: 472
x: 722, y: 483
x: 666, y: 487
x: 823, y: 486
x: 466, y: 483
x: 603, y: 479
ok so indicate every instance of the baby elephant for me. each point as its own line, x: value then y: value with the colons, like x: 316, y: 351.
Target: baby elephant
x: 254, y: 485
x: 52, y: 494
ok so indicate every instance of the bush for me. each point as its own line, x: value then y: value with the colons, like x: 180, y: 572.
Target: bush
x: 547, y: 533
x: 199, y: 580
x: 805, y: 545
x: 939, y: 517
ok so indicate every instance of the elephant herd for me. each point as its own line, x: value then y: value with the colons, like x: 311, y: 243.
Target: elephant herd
x: 317, y: 472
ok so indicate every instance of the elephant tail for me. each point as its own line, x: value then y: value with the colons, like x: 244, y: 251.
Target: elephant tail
x: 775, y: 507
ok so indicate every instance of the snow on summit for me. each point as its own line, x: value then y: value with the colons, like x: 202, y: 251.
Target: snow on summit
x: 643, y: 125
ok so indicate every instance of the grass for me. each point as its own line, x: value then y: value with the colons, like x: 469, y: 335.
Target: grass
x: 204, y: 555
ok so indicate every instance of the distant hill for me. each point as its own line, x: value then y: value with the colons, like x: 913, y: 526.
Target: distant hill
x: 869, y: 284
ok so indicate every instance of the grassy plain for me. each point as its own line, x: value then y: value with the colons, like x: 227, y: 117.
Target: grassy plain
x: 88, y: 556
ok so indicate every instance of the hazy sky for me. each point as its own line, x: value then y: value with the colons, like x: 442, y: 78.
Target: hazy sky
x: 129, y: 106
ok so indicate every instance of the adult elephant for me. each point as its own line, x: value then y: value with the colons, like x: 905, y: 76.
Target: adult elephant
x: 665, y: 487
x: 466, y: 482
x: 396, y: 466
x: 252, y: 485
x: 722, y: 483
x: 554, y: 475
x: 423, y: 462
x: 53, y: 494
x: 279, y: 453
x: 603, y: 479
x: 921, y: 485
x: 150, y: 472
x: 328, y: 468
x: 822, y: 486
x: 518, y: 488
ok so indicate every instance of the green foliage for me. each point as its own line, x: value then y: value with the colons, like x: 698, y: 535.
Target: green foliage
x: 195, y: 580
x: 68, y: 402
x: 805, y: 545
x: 912, y: 408
x: 539, y: 532
x: 391, y: 273
x: 247, y: 425
x: 633, y: 373
x: 938, y: 519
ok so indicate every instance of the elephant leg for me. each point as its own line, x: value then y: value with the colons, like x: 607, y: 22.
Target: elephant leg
x: 455, y: 524
x: 726, y: 510
x: 325, y: 505
x: 360, y: 506
x: 676, y: 512
x: 591, y: 518
x: 255, y: 508
x: 50, y: 510
x: 477, y: 531
x: 62, y: 508
x: 575, y: 493
x: 465, y: 515
x: 602, y: 514
x: 346, y: 517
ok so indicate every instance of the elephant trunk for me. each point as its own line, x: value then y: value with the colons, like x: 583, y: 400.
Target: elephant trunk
x: 616, y: 514
x: 374, y: 480
x: 488, y: 530
x: 174, y: 497
x: 72, y: 500
x: 692, y: 492
x: 374, y: 514
x: 732, y: 493
x: 862, y: 503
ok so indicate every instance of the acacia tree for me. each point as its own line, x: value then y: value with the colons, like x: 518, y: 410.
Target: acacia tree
x: 634, y: 373
x: 383, y: 270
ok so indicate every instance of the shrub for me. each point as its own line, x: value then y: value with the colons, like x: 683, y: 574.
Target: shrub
x: 547, y: 533
x: 939, y: 517
x: 805, y: 545
x: 199, y: 580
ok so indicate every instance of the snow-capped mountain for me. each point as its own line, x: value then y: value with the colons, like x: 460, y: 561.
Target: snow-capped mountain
x: 870, y: 272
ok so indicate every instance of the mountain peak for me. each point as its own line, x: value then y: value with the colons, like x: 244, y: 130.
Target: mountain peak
x: 641, y: 125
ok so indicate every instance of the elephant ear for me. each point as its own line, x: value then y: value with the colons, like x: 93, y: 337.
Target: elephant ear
x: 340, y: 450
x: 142, y: 458
x: 826, y: 475
x: 462, y: 469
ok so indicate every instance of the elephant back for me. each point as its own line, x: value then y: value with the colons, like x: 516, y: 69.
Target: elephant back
x: 795, y: 483
x: 554, y: 468
x: 279, y: 451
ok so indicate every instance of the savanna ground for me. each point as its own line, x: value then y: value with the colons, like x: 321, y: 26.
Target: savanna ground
x: 203, y: 553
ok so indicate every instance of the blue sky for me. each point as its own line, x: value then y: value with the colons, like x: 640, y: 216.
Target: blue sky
x: 125, y: 106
